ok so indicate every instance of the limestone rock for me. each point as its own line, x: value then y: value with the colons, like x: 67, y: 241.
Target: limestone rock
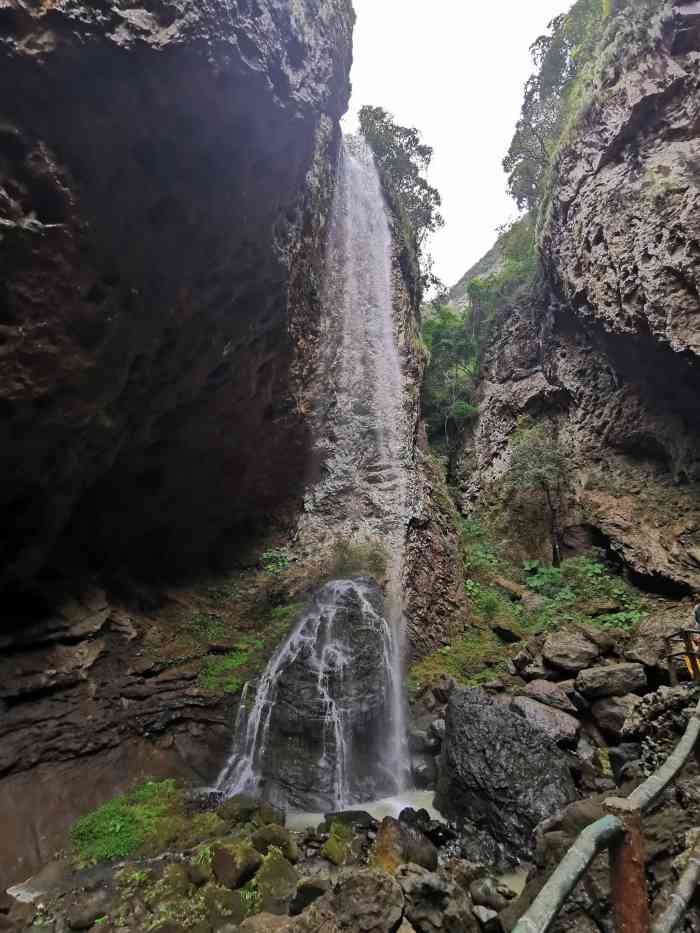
x: 611, y: 713
x: 551, y: 694
x: 499, y: 771
x: 611, y: 680
x: 434, y: 902
x: 397, y: 843
x: 235, y: 864
x: 560, y: 727
x: 648, y: 644
x: 570, y: 650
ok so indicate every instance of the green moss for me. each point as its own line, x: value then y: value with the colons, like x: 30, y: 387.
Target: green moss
x: 122, y: 826
x: 337, y: 847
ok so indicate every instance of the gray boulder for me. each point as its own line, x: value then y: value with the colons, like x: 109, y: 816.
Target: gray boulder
x: 498, y: 771
x: 611, y: 713
x: 560, y: 727
x: 434, y: 902
x: 570, y: 650
x: 648, y: 644
x: 611, y: 680
x: 544, y: 691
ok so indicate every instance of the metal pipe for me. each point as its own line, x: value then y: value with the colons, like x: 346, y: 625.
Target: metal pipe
x: 546, y: 906
x: 654, y: 786
x: 669, y: 920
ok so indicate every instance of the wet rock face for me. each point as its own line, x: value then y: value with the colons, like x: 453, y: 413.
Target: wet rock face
x: 156, y: 217
x: 498, y: 771
x: 326, y: 733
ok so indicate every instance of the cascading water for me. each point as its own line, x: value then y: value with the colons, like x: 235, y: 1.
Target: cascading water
x: 327, y: 725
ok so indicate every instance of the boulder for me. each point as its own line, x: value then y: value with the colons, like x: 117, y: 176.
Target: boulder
x: 423, y: 741
x: 367, y: 901
x: 308, y: 890
x: 611, y: 680
x: 621, y: 756
x: 484, y: 892
x: 488, y: 920
x: 562, y: 728
x: 610, y: 714
x: 356, y: 819
x: 570, y: 650
x: 435, y: 902
x: 398, y: 843
x: 242, y: 808
x: 277, y: 882
x: 223, y: 906
x: 551, y: 694
x: 424, y: 770
x: 499, y: 771
x: 83, y: 915
x: 273, y: 835
x: 648, y: 643
x: 235, y: 864
x: 261, y: 923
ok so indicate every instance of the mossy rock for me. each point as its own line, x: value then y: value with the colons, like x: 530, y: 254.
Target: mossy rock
x: 177, y: 879
x: 338, y: 847
x: 223, y: 906
x: 276, y: 883
x: 273, y: 835
x: 235, y: 863
x: 241, y: 808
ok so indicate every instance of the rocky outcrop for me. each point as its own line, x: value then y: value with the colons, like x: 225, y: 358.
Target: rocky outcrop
x: 606, y: 354
x: 165, y: 177
x: 498, y: 771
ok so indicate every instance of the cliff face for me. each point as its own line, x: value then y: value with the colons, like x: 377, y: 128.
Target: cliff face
x: 608, y: 352
x: 165, y: 179
x: 156, y: 214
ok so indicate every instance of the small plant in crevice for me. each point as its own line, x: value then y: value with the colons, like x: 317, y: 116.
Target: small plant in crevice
x: 274, y: 561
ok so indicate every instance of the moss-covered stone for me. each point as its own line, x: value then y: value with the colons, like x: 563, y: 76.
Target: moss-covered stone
x: 338, y: 846
x: 276, y: 882
x: 242, y: 808
x: 273, y: 835
x: 223, y: 906
x: 235, y: 863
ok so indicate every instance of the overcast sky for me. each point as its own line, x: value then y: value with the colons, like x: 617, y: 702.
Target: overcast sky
x: 455, y: 69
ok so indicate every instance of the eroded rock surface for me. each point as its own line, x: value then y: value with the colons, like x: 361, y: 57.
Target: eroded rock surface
x: 165, y: 178
x: 499, y: 771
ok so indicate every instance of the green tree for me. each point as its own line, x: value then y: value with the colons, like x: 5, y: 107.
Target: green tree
x: 560, y: 58
x: 540, y: 465
x: 403, y: 161
x: 451, y: 373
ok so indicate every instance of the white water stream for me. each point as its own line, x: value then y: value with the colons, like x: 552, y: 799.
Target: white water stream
x: 363, y: 439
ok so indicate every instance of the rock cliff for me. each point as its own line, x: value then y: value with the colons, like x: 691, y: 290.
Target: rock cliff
x: 606, y: 353
x: 163, y: 176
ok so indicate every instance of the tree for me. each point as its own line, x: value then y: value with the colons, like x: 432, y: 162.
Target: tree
x: 559, y: 58
x: 451, y: 374
x: 539, y: 464
x: 403, y: 161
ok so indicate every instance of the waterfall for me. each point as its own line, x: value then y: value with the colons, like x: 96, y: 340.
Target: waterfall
x: 332, y: 695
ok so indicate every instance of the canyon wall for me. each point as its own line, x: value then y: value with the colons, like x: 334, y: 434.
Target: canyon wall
x: 606, y: 351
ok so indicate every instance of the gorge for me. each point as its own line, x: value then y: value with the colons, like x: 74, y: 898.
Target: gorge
x: 271, y: 540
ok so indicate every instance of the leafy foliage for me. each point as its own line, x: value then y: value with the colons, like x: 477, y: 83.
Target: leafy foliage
x: 539, y: 464
x: 455, y: 338
x: 561, y: 59
x: 403, y: 160
x: 275, y: 561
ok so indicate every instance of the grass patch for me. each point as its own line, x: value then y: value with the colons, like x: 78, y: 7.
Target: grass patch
x: 121, y: 827
x: 227, y: 673
x: 145, y: 821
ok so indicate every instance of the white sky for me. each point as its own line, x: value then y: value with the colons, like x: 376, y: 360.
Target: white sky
x: 455, y: 69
